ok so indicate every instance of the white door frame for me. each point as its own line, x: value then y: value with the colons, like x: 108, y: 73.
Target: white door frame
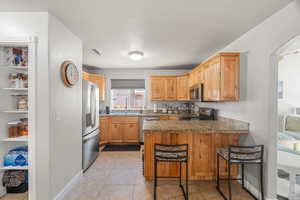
x: 273, y: 107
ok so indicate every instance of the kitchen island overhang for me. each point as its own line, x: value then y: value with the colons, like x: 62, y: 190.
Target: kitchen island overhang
x: 203, y: 137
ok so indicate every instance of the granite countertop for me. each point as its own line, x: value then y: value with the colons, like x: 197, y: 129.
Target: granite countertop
x: 222, y: 125
x: 137, y: 114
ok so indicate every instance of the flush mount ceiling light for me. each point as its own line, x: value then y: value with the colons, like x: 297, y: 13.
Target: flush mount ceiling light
x: 136, y: 55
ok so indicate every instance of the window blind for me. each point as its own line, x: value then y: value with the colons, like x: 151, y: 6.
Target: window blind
x: 127, y: 83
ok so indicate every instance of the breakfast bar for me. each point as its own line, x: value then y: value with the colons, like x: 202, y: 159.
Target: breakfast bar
x: 203, y: 137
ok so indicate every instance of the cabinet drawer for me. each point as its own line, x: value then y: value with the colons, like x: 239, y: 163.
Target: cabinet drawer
x: 124, y: 119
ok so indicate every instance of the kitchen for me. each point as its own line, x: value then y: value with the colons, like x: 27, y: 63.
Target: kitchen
x: 105, y: 103
x: 176, y: 117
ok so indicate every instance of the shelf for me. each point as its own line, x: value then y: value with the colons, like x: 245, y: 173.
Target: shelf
x: 14, y: 168
x: 16, y: 139
x: 14, y: 123
x: 14, y: 68
x: 16, y: 111
x: 16, y: 89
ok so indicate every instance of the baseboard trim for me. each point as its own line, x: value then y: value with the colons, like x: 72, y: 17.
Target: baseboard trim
x: 2, y: 191
x: 254, y: 190
x: 69, y: 186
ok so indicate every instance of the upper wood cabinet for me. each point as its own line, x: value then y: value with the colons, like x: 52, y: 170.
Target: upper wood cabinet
x: 183, y: 88
x: 157, y: 88
x: 100, y: 80
x: 230, y: 78
x: 222, y: 78
x: 171, y: 88
x: 163, y: 88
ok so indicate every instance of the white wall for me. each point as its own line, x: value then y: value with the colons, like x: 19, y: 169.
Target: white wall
x: 58, y: 131
x: 257, y: 46
x: 65, y: 108
x: 289, y: 73
x: 14, y: 24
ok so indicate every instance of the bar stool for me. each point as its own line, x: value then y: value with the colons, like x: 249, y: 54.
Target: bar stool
x: 243, y: 155
x: 171, y: 153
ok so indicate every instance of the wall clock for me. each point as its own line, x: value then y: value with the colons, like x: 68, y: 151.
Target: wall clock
x: 69, y: 73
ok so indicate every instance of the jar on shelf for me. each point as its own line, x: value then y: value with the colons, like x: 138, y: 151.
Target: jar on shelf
x: 23, y: 128
x: 13, y: 131
x: 22, y: 102
x: 13, y: 80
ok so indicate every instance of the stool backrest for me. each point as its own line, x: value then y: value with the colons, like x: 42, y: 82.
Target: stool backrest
x: 171, y: 151
x: 246, y: 154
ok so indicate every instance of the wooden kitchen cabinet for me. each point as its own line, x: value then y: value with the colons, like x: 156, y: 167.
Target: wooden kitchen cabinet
x: 104, y: 129
x: 182, y: 88
x: 130, y: 132
x: 157, y: 88
x: 163, y: 88
x: 170, y: 88
x: 100, y: 80
x: 212, y: 81
x: 230, y: 81
x: 124, y: 130
x: 221, y: 78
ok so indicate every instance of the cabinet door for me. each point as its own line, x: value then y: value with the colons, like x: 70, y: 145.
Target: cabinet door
x: 201, y: 76
x: 102, y: 88
x: 104, y: 130
x: 171, y: 89
x: 212, y: 81
x: 182, y: 88
x: 230, y: 71
x: 157, y: 89
x: 130, y: 132
x: 115, y: 132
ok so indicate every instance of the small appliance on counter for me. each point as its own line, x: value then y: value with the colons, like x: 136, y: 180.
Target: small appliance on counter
x: 203, y: 114
x: 107, y: 110
x: 155, y: 108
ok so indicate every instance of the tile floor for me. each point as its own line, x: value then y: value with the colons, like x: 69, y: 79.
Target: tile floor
x: 118, y: 176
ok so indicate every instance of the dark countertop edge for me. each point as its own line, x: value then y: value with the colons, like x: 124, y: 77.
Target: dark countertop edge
x: 238, y: 132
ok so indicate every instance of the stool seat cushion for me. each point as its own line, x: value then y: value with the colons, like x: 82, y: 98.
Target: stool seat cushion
x: 245, y: 155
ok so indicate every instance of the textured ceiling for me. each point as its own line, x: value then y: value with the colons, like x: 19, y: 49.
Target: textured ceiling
x: 171, y: 33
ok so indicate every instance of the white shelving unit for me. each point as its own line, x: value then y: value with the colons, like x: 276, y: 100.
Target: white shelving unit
x: 16, y: 139
x: 9, y: 116
x: 14, y: 168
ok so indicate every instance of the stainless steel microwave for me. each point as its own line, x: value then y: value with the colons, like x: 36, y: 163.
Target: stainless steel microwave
x: 196, y: 92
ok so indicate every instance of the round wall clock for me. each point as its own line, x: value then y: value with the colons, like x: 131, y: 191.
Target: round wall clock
x: 69, y: 73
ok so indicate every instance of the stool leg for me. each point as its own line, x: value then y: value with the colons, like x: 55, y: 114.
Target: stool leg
x: 262, y: 182
x: 187, y: 181
x: 155, y: 178
x: 243, y: 175
x: 218, y: 171
x: 180, y: 174
x: 229, y: 180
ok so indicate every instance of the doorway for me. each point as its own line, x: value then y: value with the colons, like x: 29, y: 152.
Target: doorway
x: 286, y: 112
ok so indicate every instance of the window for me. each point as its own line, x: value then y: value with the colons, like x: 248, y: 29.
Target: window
x: 127, y: 98
x: 127, y: 93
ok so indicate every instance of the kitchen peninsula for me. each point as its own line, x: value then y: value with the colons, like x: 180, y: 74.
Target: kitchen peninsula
x: 204, y: 137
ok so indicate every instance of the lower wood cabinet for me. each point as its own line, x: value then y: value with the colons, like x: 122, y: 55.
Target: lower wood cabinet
x: 124, y: 130
x: 104, y: 130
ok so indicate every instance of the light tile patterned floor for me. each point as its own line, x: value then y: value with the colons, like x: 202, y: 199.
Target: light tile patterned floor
x: 118, y: 176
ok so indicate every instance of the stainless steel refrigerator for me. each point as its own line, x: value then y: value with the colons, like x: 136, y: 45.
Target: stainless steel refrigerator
x: 90, y: 123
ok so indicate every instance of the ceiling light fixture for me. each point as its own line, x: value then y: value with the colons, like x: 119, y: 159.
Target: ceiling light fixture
x: 136, y: 55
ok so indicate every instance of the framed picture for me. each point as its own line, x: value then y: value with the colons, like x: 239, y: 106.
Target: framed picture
x: 280, y: 90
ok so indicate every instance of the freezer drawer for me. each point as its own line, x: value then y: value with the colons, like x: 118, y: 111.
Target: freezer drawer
x: 90, y: 149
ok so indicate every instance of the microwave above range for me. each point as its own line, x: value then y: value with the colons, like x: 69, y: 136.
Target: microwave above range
x: 196, y: 92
